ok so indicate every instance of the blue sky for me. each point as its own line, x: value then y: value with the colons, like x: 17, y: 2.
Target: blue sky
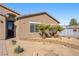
x: 63, y: 12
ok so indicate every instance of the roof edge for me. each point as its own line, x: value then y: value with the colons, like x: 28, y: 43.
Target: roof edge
x: 52, y: 17
x: 9, y: 9
x: 31, y: 15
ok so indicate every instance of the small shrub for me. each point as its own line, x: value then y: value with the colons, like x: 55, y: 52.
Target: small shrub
x: 58, y: 28
x: 18, y: 50
x: 14, y: 42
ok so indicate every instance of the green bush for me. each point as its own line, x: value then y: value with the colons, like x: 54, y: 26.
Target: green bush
x: 18, y: 50
x: 48, y: 30
x: 58, y: 28
x: 14, y: 42
x: 42, y: 28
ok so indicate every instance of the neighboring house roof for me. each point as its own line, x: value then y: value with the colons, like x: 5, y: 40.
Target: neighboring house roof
x: 72, y: 27
x: 37, y: 14
x: 9, y: 9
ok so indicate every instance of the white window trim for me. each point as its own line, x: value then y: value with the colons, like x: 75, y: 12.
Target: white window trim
x: 35, y: 22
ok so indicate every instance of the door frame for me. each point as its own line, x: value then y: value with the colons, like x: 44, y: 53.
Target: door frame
x: 7, y: 29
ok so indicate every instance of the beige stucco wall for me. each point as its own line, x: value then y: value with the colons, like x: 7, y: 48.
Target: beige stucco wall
x: 2, y: 27
x: 23, y: 26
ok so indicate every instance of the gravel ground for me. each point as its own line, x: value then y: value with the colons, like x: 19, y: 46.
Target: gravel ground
x: 57, y: 47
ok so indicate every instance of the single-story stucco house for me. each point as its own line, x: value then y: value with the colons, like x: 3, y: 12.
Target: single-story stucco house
x: 13, y: 24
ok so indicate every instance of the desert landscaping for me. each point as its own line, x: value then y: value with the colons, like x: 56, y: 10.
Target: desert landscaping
x: 37, y: 34
x: 62, y: 46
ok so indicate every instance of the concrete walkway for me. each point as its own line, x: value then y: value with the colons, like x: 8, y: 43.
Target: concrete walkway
x: 3, y: 49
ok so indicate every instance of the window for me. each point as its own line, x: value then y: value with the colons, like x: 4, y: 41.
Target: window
x: 33, y: 27
x: 10, y: 25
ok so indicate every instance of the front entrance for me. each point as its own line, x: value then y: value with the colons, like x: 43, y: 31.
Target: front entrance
x: 10, y: 29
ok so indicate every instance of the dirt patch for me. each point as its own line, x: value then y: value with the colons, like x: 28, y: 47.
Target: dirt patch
x: 43, y: 48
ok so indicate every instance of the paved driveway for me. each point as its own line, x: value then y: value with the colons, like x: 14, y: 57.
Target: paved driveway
x: 3, y: 49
